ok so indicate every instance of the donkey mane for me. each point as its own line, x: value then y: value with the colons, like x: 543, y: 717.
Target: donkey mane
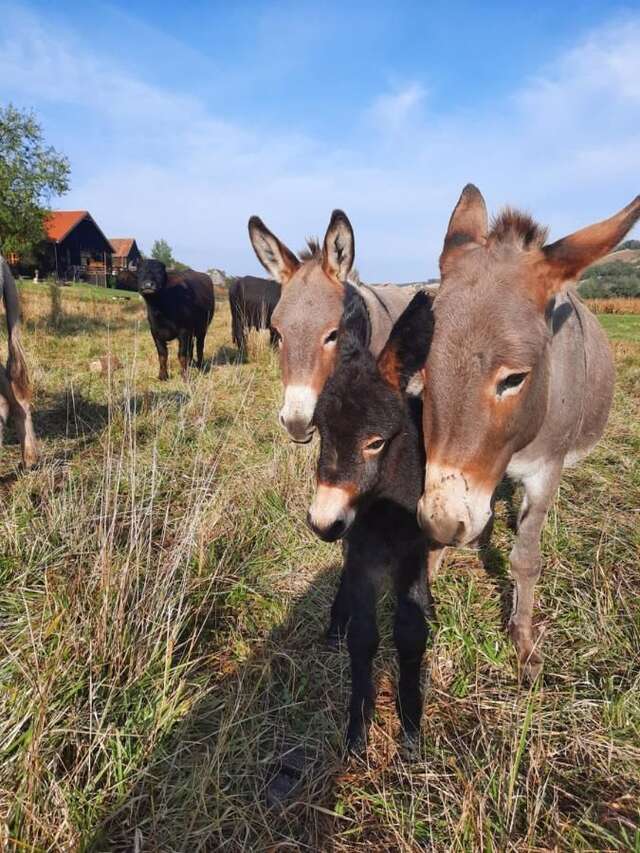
x: 515, y: 227
x: 312, y: 251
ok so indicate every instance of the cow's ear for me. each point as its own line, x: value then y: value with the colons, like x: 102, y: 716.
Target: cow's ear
x: 467, y: 229
x: 564, y: 260
x: 338, y: 250
x: 407, y: 348
x: 275, y: 257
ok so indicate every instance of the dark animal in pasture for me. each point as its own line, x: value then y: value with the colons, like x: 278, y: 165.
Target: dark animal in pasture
x: 15, y: 391
x: 127, y: 280
x: 519, y: 381
x: 252, y: 301
x: 306, y: 319
x: 369, y: 479
x: 179, y: 305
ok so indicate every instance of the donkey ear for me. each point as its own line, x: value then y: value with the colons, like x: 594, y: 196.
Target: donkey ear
x: 408, y: 346
x: 565, y: 259
x: 338, y: 250
x: 468, y: 227
x: 275, y: 257
x: 355, y: 325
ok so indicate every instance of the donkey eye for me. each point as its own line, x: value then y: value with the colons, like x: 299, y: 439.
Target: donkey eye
x: 331, y: 337
x: 511, y: 384
x: 375, y: 445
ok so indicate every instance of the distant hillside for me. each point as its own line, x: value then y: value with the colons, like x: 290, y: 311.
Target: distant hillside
x: 617, y: 274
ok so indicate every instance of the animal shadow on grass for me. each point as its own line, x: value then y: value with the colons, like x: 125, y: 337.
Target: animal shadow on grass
x: 494, y: 559
x: 263, y: 749
x: 224, y: 355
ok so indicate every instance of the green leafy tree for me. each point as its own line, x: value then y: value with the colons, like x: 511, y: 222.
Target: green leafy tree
x: 161, y: 251
x: 30, y: 173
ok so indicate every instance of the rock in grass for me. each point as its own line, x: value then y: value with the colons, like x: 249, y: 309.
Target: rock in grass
x: 105, y: 364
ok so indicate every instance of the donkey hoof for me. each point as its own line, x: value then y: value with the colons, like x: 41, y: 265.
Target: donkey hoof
x: 333, y: 639
x: 409, y: 746
x: 356, y: 741
x: 531, y: 668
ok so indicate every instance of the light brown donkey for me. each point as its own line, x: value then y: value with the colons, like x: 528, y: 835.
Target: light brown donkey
x: 14, y: 380
x: 519, y: 381
x: 306, y: 319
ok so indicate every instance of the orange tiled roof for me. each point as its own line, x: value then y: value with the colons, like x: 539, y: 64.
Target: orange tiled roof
x: 59, y: 222
x: 121, y: 245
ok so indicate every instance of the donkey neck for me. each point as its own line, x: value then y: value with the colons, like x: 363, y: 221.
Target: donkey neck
x: 402, y: 477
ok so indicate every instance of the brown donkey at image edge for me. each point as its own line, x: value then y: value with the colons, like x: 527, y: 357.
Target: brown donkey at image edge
x: 15, y: 392
x: 519, y: 381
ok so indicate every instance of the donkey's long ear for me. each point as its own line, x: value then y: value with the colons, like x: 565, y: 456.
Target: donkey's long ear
x: 354, y: 333
x: 339, y: 249
x: 275, y: 257
x: 565, y: 259
x: 468, y: 227
x: 408, y: 346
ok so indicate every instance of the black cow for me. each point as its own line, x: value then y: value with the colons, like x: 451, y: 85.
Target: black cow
x: 252, y: 301
x: 179, y: 305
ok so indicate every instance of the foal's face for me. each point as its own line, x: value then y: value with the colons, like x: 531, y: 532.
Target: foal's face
x: 486, y: 379
x: 358, y: 417
x: 307, y: 316
x: 361, y: 413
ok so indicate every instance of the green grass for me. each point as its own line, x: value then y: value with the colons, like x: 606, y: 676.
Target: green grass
x: 621, y: 327
x: 83, y: 292
x: 161, y: 601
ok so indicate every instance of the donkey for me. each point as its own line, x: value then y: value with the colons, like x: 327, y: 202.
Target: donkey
x: 369, y: 480
x: 305, y: 321
x: 519, y: 381
x: 15, y: 392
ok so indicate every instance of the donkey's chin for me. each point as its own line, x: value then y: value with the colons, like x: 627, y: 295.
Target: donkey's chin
x: 305, y: 439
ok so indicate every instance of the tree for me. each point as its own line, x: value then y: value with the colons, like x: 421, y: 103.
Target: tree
x: 161, y: 251
x: 30, y: 173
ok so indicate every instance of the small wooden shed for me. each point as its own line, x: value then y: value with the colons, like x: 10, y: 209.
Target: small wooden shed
x: 76, y: 247
x: 126, y: 255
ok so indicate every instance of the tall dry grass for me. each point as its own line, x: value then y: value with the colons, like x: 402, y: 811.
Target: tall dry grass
x: 614, y: 306
x: 161, y: 605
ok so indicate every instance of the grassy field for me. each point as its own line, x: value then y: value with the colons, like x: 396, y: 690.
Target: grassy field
x: 161, y: 604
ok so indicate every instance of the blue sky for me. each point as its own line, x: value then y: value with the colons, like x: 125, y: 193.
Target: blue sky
x: 182, y: 120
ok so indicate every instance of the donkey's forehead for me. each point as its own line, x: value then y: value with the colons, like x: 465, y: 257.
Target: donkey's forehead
x: 311, y: 298
x: 493, y: 317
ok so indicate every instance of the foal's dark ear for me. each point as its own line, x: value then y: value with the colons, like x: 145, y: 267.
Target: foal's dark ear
x: 275, y: 257
x: 408, y: 346
x: 355, y: 327
x: 339, y: 248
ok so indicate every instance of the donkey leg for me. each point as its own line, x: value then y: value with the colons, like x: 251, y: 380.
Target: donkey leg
x: 526, y: 564
x: 16, y: 401
x: 5, y: 406
x: 339, y: 620
x: 410, y: 634
x: 362, y: 641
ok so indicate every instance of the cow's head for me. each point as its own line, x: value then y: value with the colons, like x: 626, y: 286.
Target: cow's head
x: 152, y: 277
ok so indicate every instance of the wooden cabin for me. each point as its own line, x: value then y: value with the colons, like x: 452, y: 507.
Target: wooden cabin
x: 76, y: 248
x: 126, y: 255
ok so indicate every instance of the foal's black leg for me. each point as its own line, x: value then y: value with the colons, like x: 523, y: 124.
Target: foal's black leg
x: 337, y: 629
x: 362, y: 641
x: 410, y: 634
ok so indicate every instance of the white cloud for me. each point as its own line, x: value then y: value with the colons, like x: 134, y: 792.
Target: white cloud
x: 154, y: 162
x: 391, y: 112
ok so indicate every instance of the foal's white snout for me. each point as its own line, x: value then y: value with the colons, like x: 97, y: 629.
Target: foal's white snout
x: 296, y: 414
x: 331, y: 514
x: 452, y: 510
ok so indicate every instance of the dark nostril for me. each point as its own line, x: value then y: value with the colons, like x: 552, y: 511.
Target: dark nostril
x: 460, y: 531
x: 281, y: 419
